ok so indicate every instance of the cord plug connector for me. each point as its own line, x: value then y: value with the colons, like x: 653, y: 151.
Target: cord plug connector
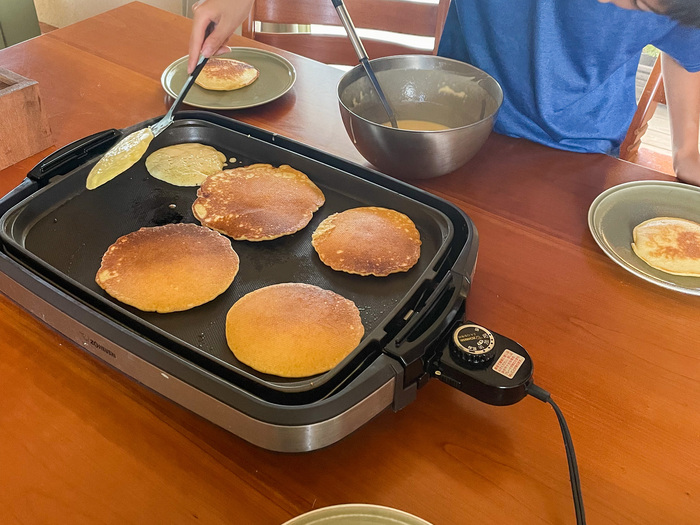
x: 537, y: 392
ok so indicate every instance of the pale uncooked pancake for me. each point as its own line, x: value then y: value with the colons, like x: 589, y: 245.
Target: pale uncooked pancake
x: 185, y: 164
x: 226, y: 74
x: 168, y: 268
x: 120, y: 158
x: 293, y: 329
x: 257, y: 202
x: 368, y: 241
x: 669, y: 244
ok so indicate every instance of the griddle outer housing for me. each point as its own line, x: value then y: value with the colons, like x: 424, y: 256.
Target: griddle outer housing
x: 53, y: 232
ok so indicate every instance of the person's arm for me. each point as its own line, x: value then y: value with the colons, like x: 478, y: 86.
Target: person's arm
x: 226, y: 14
x: 683, y: 100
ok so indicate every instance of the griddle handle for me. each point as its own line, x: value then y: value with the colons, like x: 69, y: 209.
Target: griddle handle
x: 442, y: 303
x: 427, y: 326
x: 73, y: 155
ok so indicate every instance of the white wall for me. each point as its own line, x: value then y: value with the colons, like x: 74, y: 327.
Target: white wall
x: 60, y: 13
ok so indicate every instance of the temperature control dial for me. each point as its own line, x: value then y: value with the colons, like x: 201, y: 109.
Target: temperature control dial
x: 472, y: 345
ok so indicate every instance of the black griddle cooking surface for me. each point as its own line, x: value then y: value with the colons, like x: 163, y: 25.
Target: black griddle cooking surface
x: 62, y: 231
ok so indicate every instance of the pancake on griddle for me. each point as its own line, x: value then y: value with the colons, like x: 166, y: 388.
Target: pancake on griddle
x: 669, y: 244
x: 257, y: 202
x: 119, y: 158
x: 168, y: 268
x: 368, y: 241
x: 226, y: 74
x: 293, y: 329
x: 185, y: 164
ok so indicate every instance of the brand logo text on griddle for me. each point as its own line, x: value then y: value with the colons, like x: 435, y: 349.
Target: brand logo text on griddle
x: 103, y: 348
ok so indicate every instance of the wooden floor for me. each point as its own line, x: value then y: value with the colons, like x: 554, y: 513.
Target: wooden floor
x: 46, y: 28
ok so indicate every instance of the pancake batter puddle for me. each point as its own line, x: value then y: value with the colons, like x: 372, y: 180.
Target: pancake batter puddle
x: 417, y: 125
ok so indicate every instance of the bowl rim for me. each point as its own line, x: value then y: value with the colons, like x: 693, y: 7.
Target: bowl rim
x: 353, y: 71
x: 358, y: 509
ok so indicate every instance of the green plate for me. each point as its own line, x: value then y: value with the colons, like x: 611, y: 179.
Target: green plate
x: 277, y: 76
x: 356, y: 514
x: 615, y: 212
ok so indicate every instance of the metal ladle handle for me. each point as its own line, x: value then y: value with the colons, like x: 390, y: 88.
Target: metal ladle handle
x: 362, y: 55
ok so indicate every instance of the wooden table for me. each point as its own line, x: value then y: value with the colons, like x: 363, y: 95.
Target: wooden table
x: 81, y: 443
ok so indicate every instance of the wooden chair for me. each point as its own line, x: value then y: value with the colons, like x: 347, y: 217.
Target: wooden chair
x: 397, y: 16
x: 18, y: 22
x: 652, y: 95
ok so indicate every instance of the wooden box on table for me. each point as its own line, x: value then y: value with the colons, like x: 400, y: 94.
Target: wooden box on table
x: 24, y: 128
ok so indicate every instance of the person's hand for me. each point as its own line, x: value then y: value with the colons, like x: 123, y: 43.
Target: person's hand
x: 227, y: 15
x: 686, y: 165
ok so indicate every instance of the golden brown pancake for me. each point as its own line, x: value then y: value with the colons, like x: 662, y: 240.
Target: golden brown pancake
x: 669, y: 244
x: 185, y: 164
x: 293, y: 329
x: 257, y: 202
x: 168, y: 268
x: 226, y: 74
x: 368, y: 241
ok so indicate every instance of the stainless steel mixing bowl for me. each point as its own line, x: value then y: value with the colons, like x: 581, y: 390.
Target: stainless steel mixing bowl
x: 419, y: 87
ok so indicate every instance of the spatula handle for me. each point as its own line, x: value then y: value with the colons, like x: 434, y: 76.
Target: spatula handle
x: 190, y: 80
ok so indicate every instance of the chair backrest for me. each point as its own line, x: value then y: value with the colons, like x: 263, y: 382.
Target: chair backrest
x: 652, y: 95
x: 18, y: 22
x: 403, y: 17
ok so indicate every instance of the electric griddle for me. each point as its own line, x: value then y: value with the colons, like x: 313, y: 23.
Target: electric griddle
x: 53, y: 233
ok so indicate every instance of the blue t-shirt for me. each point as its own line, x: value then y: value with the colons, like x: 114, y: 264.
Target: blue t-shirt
x: 567, y: 67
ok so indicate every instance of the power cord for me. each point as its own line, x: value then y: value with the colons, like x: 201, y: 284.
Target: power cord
x: 543, y: 395
x: 466, y: 367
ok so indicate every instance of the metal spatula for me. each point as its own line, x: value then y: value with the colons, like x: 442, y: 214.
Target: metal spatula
x: 362, y: 55
x: 129, y: 150
x: 167, y: 119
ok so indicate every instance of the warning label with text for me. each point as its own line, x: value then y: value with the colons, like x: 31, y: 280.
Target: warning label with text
x: 508, y: 364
